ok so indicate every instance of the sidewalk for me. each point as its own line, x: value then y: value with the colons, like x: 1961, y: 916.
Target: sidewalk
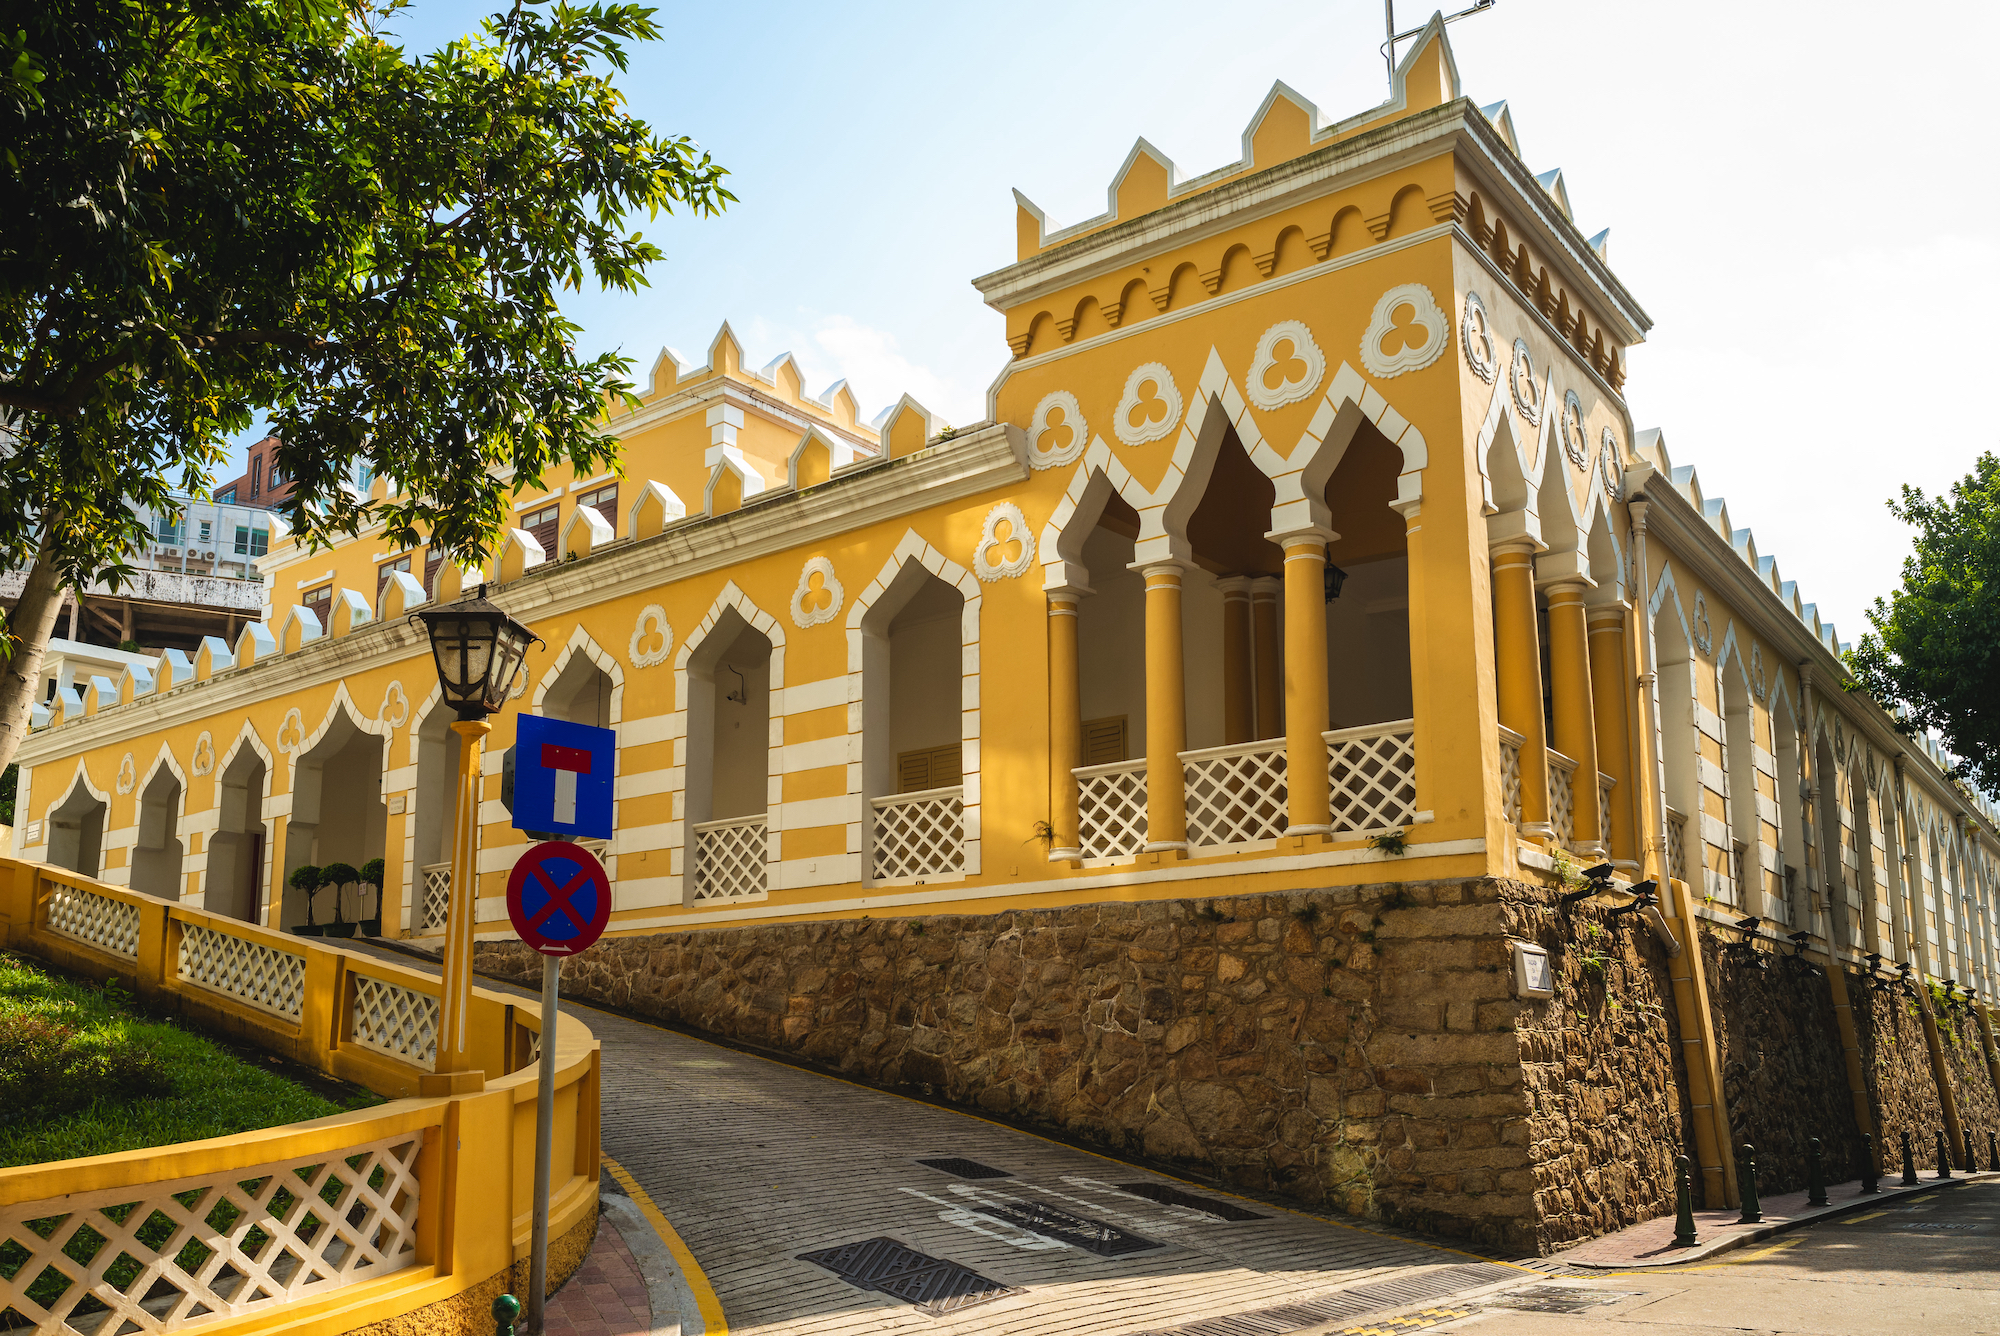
x: 1652, y: 1244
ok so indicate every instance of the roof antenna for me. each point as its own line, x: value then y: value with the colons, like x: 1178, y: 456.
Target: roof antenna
x: 1389, y: 21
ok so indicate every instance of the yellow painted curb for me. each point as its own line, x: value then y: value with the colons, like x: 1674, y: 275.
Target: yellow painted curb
x: 704, y: 1294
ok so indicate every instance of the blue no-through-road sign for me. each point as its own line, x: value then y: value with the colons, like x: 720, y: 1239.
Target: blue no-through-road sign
x: 563, y: 777
x: 558, y: 898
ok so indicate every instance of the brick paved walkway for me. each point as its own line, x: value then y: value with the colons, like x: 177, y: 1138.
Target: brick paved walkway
x: 607, y: 1297
x: 756, y: 1164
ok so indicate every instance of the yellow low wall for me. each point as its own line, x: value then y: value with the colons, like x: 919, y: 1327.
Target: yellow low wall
x: 317, y: 1227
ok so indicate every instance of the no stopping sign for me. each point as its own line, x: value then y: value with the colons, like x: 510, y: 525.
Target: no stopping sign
x: 559, y: 898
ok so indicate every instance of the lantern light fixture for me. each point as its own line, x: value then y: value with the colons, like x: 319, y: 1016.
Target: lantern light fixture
x: 479, y: 650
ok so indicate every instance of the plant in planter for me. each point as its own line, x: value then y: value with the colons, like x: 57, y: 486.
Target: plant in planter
x: 371, y: 875
x: 305, y: 879
x: 339, y: 876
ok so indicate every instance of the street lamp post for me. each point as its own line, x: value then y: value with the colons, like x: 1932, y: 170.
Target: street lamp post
x: 478, y: 649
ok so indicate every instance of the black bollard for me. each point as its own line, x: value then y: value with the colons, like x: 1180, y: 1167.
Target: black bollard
x: 1992, y: 1151
x: 1683, y: 1203
x: 1971, y: 1156
x: 1871, y: 1179
x: 1815, y: 1175
x: 506, y: 1311
x: 1746, y: 1187
x: 1943, y: 1156
x: 1909, y: 1162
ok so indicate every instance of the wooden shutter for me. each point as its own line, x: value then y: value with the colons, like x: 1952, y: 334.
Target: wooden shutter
x: 1104, y: 741
x: 320, y: 602
x: 928, y: 768
x: 433, y: 558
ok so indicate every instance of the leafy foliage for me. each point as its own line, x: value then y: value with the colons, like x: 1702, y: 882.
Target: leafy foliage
x: 1935, y: 646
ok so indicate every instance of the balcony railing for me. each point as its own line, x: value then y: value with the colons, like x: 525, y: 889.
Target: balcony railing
x: 1562, y: 799
x: 1372, y: 777
x: 729, y: 858
x: 1677, y: 843
x: 1605, y: 784
x: 919, y: 834
x: 1510, y: 773
x: 1236, y: 795
x: 436, y: 901
x: 1111, y: 809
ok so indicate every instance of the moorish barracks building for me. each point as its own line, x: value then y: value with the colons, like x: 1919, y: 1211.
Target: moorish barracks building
x: 1191, y: 754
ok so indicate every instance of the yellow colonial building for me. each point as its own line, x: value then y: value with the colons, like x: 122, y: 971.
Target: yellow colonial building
x: 1309, y: 557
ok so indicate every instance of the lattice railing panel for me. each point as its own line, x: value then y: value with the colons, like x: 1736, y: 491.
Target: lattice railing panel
x: 1562, y: 799
x: 1605, y: 784
x: 159, y: 1256
x: 1111, y: 809
x: 1510, y: 774
x: 436, y: 902
x: 919, y: 834
x: 399, y: 1021
x: 107, y: 924
x: 1677, y: 844
x: 729, y: 859
x: 1235, y: 795
x: 1372, y: 773
x: 246, y: 970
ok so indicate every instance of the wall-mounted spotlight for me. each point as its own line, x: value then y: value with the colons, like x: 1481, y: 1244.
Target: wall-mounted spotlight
x: 1599, y: 878
x: 1797, y: 962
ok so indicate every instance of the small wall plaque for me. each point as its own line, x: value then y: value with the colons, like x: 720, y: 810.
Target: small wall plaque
x: 1532, y: 975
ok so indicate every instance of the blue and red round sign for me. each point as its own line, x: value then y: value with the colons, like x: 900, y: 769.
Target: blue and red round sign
x: 559, y: 898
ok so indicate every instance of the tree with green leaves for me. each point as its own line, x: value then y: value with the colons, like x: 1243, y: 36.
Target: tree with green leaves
x: 1935, y: 646
x: 220, y: 206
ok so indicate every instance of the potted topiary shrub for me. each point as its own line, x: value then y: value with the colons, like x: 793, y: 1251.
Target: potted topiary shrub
x: 371, y: 875
x: 306, y: 880
x: 339, y: 876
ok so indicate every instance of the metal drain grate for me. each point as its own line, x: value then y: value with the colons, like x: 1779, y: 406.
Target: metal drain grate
x: 964, y: 1168
x: 1556, y: 1299
x: 1357, y: 1302
x: 1093, y: 1236
x: 938, y: 1287
x: 1171, y: 1196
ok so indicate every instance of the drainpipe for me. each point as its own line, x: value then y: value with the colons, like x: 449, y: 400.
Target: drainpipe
x: 1818, y: 879
x: 1698, y: 1051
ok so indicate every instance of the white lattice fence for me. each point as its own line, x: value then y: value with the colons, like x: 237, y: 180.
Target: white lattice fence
x: 1510, y: 773
x: 1677, y: 845
x: 1111, y: 809
x: 729, y: 859
x: 1372, y: 774
x: 1235, y: 795
x: 246, y: 970
x: 399, y: 1021
x: 160, y: 1256
x: 436, y: 895
x: 97, y: 920
x: 1605, y: 784
x: 1562, y: 799
x: 919, y: 834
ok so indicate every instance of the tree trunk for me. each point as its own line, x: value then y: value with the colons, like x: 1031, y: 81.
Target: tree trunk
x: 29, y: 627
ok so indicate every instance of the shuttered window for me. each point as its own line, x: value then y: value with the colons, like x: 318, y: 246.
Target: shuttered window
x: 929, y: 768
x: 433, y: 558
x: 385, y: 570
x: 320, y: 602
x: 542, y: 524
x: 1104, y: 741
x: 605, y: 502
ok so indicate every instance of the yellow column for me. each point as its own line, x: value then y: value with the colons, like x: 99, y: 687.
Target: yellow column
x: 1166, y: 711
x: 1239, y: 701
x: 1305, y: 680
x: 1264, y: 633
x: 454, y: 1051
x: 1517, y: 662
x: 1576, y: 723
x: 1065, y: 725
x: 1609, y: 689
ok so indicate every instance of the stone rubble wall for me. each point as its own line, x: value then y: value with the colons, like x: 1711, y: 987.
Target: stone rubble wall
x: 1971, y: 1082
x: 1784, y: 1074
x: 1355, y: 1048
x: 1902, y: 1091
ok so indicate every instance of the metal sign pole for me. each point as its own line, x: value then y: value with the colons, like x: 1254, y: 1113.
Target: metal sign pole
x: 545, y: 1109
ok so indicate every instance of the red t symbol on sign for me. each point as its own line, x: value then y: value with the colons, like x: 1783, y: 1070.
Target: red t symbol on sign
x: 568, y: 763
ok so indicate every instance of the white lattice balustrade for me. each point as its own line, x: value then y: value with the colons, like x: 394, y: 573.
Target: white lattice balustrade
x: 1510, y: 773
x: 1372, y: 773
x: 919, y: 834
x: 107, y: 924
x: 1235, y: 795
x: 729, y: 859
x: 158, y: 1257
x: 247, y: 970
x: 436, y: 895
x: 399, y: 1021
x: 1111, y: 809
x: 1605, y: 784
x: 1677, y: 837
x: 1562, y: 799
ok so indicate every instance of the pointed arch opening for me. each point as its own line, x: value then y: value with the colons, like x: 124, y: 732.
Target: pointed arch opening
x: 438, y: 755
x: 157, y: 850
x: 76, y: 830
x: 234, y: 882
x: 1368, y: 620
x: 913, y: 639
x: 338, y: 816
x: 728, y: 778
x: 1678, y: 734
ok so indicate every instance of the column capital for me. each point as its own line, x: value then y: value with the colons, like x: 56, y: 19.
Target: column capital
x: 1513, y: 547
x: 1567, y: 587
x: 1266, y: 588
x: 1151, y: 569
x: 1063, y: 601
x: 1066, y: 575
x: 1238, y: 585
x: 1605, y: 617
x: 1303, y: 536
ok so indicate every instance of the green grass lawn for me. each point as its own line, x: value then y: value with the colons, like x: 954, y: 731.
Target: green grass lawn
x: 84, y: 1072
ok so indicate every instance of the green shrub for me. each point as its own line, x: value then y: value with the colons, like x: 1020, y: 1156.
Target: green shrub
x: 338, y: 874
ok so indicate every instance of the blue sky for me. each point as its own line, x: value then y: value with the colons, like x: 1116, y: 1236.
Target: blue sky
x: 1805, y: 208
